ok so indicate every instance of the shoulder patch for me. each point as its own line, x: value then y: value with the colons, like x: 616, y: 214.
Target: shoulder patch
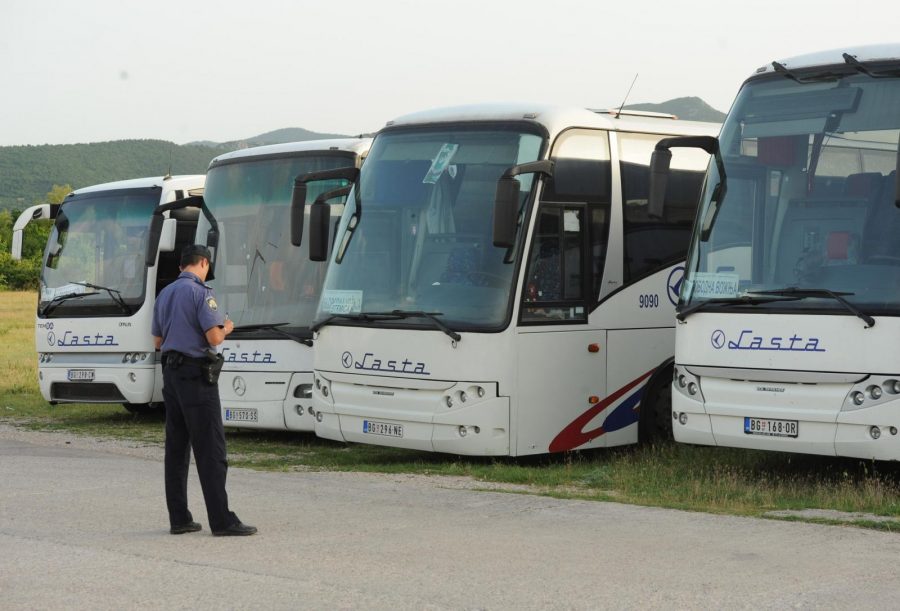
x: 211, y: 302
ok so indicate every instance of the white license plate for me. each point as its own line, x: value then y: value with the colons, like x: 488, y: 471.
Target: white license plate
x: 382, y: 428
x: 241, y: 414
x: 80, y: 375
x: 770, y: 427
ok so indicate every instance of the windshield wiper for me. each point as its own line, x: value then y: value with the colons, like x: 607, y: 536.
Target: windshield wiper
x: 51, y: 305
x: 838, y: 296
x: 364, y: 317
x: 116, y: 295
x: 305, y: 339
x: 747, y: 299
x: 432, y: 316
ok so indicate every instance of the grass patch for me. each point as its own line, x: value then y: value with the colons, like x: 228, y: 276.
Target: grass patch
x: 718, y: 480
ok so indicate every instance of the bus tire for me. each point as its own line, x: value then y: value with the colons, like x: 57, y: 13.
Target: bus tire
x: 144, y: 408
x: 655, y: 416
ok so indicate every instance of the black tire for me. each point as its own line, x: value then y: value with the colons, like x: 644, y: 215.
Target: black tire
x: 143, y: 409
x: 655, y: 417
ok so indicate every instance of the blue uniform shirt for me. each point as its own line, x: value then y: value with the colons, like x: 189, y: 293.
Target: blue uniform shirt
x: 184, y: 311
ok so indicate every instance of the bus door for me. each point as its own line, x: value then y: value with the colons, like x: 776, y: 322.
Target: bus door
x: 561, y: 360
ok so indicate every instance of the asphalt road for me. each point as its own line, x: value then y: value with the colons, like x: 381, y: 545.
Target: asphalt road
x: 85, y: 528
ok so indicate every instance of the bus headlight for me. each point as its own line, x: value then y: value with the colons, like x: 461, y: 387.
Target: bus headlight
x: 682, y: 381
x: 858, y: 398
x: 692, y: 388
x: 875, y: 392
x: 875, y: 432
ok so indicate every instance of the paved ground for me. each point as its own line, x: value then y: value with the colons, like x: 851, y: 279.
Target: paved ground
x: 85, y: 528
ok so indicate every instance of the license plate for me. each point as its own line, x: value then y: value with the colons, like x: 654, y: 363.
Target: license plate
x: 81, y: 375
x: 770, y: 427
x: 241, y: 414
x: 382, y: 428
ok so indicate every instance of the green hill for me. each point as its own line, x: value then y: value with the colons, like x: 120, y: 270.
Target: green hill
x: 27, y: 173
x: 689, y: 109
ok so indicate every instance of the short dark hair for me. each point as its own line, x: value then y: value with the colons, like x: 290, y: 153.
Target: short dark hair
x: 193, y: 253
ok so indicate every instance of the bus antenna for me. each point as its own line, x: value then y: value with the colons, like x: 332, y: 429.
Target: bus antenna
x: 619, y: 112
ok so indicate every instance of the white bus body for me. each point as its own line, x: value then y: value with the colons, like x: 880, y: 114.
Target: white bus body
x: 789, y: 313
x: 546, y: 352
x: 268, y: 287
x: 94, y: 345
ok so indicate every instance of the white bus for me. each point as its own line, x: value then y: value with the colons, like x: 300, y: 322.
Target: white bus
x: 268, y: 287
x: 102, y: 269
x: 497, y: 286
x: 790, y: 310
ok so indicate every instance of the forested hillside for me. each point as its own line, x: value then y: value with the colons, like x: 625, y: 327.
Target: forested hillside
x: 28, y: 172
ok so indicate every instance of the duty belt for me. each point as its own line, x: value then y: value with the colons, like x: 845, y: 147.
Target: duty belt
x: 173, y: 360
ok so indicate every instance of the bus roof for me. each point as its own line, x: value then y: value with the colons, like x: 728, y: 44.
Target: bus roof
x: 359, y: 146
x: 186, y: 181
x: 557, y: 118
x: 833, y: 57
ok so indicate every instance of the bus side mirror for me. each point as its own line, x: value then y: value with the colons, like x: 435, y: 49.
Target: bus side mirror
x: 506, y: 212
x: 167, y: 235
x: 319, y: 227
x: 153, y: 238
x: 659, y: 178
x: 298, y: 201
x: 34, y: 213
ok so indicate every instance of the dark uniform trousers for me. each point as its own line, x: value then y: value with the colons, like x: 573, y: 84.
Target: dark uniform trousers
x: 194, y: 420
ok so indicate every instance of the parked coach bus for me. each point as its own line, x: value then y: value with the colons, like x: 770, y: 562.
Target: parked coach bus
x: 102, y: 269
x: 498, y: 285
x: 267, y: 286
x: 790, y: 311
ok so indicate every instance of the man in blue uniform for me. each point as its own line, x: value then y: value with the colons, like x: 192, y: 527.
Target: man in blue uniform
x: 187, y: 323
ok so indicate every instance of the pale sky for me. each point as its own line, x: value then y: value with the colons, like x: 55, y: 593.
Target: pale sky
x: 95, y: 70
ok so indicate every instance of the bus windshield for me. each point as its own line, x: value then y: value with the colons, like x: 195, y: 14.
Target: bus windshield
x: 417, y: 231
x: 94, y: 259
x: 260, y: 277
x: 808, y: 206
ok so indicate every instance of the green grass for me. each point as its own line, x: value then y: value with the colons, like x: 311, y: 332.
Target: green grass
x: 719, y: 480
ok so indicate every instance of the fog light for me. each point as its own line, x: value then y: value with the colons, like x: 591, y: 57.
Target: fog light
x: 319, y: 416
x: 324, y: 391
x: 463, y: 431
x: 895, y: 386
x: 310, y: 411
x: 318, y: 383
x: 875, y: 432
x: 476, y: 429
x: 682, y: 418
x: 682, y: 381
x: 692, y: 388
x: 449, y: 401
x: 675, y: 415
x: 858, y: 398
x: 126, y: 357
x: 299, y: 409
x: 875, y: 392
x: 463, y: 397
x: 893, y: 430
x: 303, y: 391
x: 480, y: 392
x: 132, y: 376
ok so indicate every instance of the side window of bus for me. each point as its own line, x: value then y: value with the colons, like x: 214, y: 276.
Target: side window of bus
x: 653, y: 243
x: 568, y: 249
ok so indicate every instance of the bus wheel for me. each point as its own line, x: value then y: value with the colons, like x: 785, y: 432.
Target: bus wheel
x: 655, y: 418
x: 145, y: 408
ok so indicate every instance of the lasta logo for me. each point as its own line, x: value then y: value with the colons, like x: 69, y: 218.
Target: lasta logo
x: 748, y: 340
x: 70, y: 339
x: 371, y: 362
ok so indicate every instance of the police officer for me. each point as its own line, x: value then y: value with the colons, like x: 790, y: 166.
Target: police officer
x: 187, y: 323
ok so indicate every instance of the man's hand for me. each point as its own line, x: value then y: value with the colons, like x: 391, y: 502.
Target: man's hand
x: 229, y: 326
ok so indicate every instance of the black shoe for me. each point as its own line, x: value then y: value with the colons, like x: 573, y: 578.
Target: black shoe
x: 235, y: 530
x: 190, y: 527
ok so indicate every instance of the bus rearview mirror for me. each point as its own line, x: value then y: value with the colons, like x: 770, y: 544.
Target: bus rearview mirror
x: 506, y: 212
x: 319, y: 227
x: 153, y: 237
x: 659, y: 178
x: 298, y: 201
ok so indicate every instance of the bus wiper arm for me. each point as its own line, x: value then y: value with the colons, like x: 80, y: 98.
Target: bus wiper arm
x: 432, y: 316
x: 51, y: 305
x: 364, y: 317
x: 747, y: 299
x: 116, y: 295
x: 838, y: 296
x: 301, y: 338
